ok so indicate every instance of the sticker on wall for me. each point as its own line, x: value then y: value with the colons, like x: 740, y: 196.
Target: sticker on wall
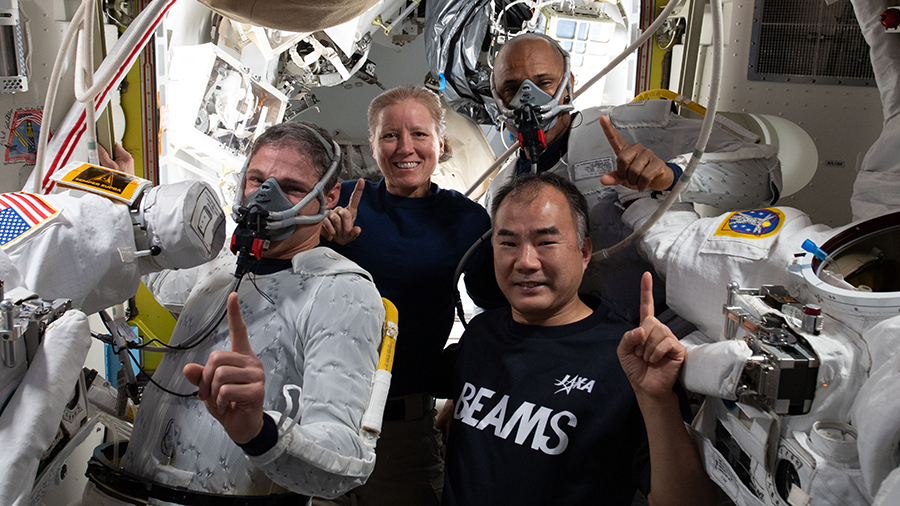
x: 24, y: 126
x: 754, y: 224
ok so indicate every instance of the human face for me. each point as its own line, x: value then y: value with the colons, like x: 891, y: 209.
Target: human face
x: 296, y: 175
x: 537, y: 260
x: 407, y: 147
x: 537, y: 60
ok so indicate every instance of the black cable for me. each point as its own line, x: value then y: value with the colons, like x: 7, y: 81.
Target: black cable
x: 157, y: 385
x: 203, y: 338
x: 576, y: 114
x: 181, y: 348
x: 103, y: 338
x: 533, y: 156
x: 259, y: 290
x: 185, y: 348
x: 148, y: 344
x: 108, y: 339
x: 189, y: 347
x: 460, y: 311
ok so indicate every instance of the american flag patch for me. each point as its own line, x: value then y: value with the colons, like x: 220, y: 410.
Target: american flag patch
x: 21, y: 213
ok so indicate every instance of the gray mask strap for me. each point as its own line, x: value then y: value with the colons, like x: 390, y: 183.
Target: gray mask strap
x: 554, y: 108
x: 505, y: 112
x: 565, y: 85
x: 239, y: 193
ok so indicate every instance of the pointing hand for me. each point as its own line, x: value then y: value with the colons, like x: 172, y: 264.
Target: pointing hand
x: 232, y: 384
x: 651, y: 355
x: 338, y: 226
x: 637, y: 167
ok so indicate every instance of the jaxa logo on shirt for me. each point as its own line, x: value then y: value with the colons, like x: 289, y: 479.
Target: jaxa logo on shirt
x: 753, y: 224
x: 567, y: 384
x: 529, y: 424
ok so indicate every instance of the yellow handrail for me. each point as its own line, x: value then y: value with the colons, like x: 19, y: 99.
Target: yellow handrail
x: 674, y: 97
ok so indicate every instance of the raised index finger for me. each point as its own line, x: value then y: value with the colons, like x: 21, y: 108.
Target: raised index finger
x: 240, y: 343
x: 612, y: 135
x: 647, y: 307
x: 357, y: 195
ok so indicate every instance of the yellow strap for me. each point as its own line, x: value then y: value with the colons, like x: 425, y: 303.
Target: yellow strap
x: 671, y: 95
x: 389, y: 342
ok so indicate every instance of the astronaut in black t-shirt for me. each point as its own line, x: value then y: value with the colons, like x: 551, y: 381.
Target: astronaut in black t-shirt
x: 552, y: 404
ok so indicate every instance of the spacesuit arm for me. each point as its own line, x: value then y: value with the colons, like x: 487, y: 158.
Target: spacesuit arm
x: 172, y: 287
x: 876, y: 190
x: 732, y: 174
x: 709, y: 370
x: 656, y: 244
x: 746, y: 178
x: 699, y: 257
x: 328, y: 453
x: 89, y: 249
x: 74, y: 252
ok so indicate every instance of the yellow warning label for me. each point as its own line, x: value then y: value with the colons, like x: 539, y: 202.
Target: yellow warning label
x: 102, y: 180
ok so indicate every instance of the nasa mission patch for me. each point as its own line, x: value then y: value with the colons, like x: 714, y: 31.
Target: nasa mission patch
x: 753, y: 224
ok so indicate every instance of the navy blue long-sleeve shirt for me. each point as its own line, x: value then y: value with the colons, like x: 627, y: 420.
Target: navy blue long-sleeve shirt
x: 412, y: 246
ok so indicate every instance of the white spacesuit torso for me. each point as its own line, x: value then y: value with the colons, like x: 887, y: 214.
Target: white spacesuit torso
x: 855, y: 353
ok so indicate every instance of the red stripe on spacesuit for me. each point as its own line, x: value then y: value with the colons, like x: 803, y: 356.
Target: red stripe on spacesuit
x: 20, y: 204
x: 78, y: 129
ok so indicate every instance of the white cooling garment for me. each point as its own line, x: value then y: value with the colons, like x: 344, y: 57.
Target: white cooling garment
x: 321, y: 334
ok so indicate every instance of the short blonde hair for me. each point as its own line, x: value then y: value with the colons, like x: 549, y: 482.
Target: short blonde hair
x: 427, y: 98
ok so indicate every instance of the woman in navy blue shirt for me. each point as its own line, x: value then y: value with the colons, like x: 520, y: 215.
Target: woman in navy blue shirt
x: 410, y: 235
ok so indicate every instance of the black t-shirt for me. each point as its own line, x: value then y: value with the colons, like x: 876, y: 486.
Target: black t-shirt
x: 543, y: 415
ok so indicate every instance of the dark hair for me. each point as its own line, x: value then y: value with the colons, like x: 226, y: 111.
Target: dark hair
x: 425, y: 97
x: 299, y: 135
x: 527, y: 186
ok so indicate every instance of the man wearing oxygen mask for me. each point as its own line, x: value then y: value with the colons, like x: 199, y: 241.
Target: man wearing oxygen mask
x: 599, y: 148
x: 221, y: 423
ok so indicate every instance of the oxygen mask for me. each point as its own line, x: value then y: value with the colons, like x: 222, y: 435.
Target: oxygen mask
x: 268, y: 198
x: 527, y: 106
x: 268, y: 215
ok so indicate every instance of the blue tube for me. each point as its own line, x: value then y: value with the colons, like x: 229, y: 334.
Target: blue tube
x: 819, y: 253
x: 811, y: 247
